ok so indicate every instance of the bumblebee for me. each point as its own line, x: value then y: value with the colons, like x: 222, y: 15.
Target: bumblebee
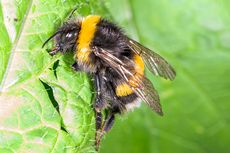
x: 117, y: 63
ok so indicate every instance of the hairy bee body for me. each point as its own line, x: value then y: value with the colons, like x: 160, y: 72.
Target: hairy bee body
x: 117, y: 63
x: 97, y: 32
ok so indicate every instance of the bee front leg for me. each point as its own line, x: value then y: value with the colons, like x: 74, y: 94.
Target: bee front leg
x: 75, y: 66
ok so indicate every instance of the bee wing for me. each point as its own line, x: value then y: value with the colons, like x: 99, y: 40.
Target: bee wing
x: 144, y: 90
x: 149, y: 95
x: 154, y: 62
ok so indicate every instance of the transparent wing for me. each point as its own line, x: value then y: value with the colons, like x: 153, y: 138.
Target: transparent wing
x: 154, y: 62
x: 140, y: 85
x: 149, y: 95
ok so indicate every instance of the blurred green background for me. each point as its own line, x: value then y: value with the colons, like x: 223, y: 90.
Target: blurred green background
x: 193, y: 36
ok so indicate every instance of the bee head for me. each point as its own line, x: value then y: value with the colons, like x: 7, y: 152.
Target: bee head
x: 65, y: 38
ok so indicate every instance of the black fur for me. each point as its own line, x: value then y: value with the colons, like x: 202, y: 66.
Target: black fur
x: 110, y: 37
x: 66, y: 39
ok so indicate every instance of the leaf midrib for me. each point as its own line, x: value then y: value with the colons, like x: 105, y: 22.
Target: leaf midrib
x: 15, y: 44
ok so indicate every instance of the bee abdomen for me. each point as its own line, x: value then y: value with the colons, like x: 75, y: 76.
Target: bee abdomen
x: 123, y: 90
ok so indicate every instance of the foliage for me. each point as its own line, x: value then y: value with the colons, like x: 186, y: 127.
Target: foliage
x: 46, y: 107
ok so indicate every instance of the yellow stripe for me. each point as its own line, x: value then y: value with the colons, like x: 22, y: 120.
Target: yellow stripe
x: 86, y: 35
x: 139, y: 71
x: 124, y: 89
x: 139, y: 64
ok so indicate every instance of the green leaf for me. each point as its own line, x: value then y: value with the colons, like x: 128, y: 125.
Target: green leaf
x: 194, y: 37
x: 44, y: 105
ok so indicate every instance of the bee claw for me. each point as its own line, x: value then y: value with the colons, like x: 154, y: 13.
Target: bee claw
x: 54, y: 51
x: 75, y: 66
x: 98, y: 140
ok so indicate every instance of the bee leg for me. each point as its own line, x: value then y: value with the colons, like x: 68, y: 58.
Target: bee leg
x: 75, y: 66
x: 98, y: 128
x: 98, y: 106
x: 109, y: 121
x: 54, y: 51
x: 99, y: 103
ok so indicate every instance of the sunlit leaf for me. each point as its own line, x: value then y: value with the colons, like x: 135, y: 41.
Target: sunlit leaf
x: 44, y: 105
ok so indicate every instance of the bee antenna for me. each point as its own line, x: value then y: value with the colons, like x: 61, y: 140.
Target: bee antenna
x: 72, y: 12
x: 50, y: 38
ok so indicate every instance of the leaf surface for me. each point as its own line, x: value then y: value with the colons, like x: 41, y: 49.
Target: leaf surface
x: 44, y: 105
